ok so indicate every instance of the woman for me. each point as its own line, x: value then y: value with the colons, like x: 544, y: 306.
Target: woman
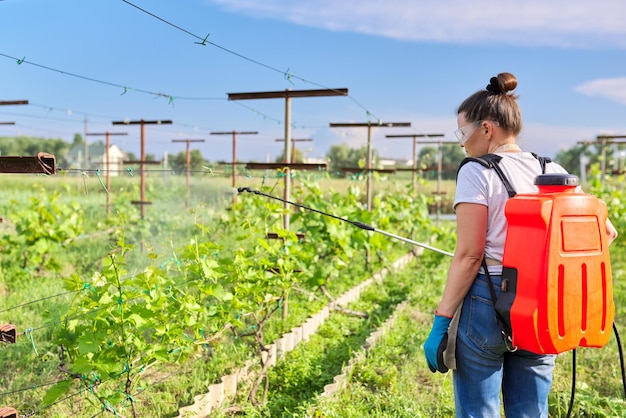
x: 489, y: 122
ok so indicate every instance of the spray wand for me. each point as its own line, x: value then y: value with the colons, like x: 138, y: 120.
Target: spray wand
x: 355, y: 223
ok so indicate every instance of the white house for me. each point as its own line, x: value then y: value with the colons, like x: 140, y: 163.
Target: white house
x: 116, y: 160
x: 97, y: 158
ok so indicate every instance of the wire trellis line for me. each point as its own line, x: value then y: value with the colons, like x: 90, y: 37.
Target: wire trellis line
x: 285, y: 73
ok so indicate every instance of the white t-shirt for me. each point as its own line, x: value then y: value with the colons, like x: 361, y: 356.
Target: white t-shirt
x: 481, y: 185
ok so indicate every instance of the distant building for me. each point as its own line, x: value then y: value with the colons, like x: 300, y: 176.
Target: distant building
x: 313, y: 160
x: 75, y: 158
x: 395, y: 162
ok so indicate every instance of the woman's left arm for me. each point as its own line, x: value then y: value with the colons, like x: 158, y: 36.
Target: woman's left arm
x: 611, y: 232
x: 468, y: 255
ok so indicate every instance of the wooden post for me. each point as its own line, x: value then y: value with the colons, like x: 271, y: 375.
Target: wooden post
x: 11, y: 103
x: 439, y: 192
x: 415, y: 136
x: 234, y: 160
x: 602, y: 141
x: 293, y: 147
x: 107, y: 145
x: 188, y: 162
x: 142, y: 159
x: 287, y: 95
x: 369, y: 167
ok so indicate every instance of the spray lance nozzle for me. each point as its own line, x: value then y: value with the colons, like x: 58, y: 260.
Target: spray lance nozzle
x: 358, y: 224
x: 363, y: 225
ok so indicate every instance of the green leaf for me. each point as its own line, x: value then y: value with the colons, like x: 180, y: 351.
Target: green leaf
x: 220, y: 294
x: 162, y: 355
x: 55, y: 392
x: 208, y: 268
x: 137, y: 320
x: 87, y: 344
x: 81, y: 366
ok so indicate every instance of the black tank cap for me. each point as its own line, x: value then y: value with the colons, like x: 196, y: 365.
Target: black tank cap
x: 557, y: 179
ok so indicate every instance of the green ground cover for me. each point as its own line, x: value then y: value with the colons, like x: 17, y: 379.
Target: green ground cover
x: 56, y: 231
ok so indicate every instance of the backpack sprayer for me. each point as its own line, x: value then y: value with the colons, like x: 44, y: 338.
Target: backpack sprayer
x: 566, y: 299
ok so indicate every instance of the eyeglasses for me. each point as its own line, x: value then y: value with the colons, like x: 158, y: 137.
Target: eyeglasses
x: 464, y: 132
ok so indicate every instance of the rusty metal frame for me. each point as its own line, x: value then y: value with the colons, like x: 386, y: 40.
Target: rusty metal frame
x: 8, y: 333
x: 42, y: 163
x: 295, y: 166
x: 8, y: 412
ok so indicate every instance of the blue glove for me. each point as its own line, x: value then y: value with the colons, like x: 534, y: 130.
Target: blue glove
x: 436, y: 343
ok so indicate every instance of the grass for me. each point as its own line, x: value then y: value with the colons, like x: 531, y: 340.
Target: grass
x: 295, y: 383
x: 393, y: 381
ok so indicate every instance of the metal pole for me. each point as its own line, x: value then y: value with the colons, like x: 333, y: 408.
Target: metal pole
x: 414, y: 177
x: 369, y: 168
x: 287, y: 154
x: 108, y: 168
x: 603, y: 140
x: 164, y: 161
x: 287, y: 94
x: 107, y: 163
x: 415, y: 136
x: 86, y: 145
x: 143, y: 167
x: 234, y: 166
x: 438, y: 192
x: 188, y: 162
x: 233, y: 163
x: 142, y: 162
x: 439, y: 169
x: 293, y: 147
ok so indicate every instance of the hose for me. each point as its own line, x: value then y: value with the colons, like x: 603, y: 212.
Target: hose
x: 621, y: 358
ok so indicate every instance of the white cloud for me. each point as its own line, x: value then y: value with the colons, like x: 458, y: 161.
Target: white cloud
x: 610, y: 88
x: 563, y: 23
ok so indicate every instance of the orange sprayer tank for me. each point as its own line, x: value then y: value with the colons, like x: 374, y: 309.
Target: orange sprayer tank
x: 556, y: 279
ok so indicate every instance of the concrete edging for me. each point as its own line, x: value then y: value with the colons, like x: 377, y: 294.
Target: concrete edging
x: 217, y: 393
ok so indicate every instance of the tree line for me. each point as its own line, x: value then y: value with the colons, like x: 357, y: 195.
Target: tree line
x: 338, y: 157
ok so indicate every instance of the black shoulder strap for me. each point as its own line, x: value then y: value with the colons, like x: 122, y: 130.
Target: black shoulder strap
x: 493, y: 160
x: 486, y: 161
x: 543, y: 161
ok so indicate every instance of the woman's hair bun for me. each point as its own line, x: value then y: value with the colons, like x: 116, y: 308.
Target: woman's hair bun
x: 502, y: 84
x: 493, y: 86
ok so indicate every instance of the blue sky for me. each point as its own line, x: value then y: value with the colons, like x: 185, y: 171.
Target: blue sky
x: 401, y: 60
